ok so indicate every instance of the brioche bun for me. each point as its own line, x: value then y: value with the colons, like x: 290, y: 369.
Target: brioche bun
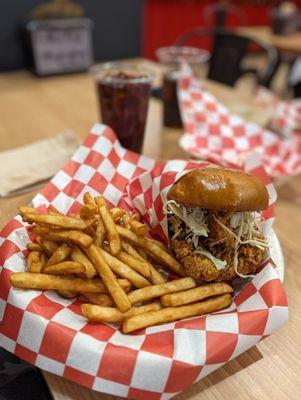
x: 220, y: 189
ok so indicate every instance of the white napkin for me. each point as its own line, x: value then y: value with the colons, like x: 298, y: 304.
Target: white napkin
x: 23, y: 168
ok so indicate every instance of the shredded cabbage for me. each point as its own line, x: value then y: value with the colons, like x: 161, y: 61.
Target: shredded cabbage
x: 193, y: 217
x: 244, y: 227
x: 219, y: 264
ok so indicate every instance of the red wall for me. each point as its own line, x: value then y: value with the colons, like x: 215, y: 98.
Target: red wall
x: 165, y: 20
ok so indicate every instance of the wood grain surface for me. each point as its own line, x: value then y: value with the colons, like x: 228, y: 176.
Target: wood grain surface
x: 32, y: 108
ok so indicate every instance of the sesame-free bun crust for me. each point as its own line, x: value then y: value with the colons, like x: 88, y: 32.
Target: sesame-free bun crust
x: 220, y: 189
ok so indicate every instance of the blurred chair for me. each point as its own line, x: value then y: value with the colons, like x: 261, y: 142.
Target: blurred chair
x: 228, y: 53
x: 219, y: 13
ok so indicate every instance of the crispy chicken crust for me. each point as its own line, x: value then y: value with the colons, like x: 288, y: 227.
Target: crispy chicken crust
x: 200, y: 267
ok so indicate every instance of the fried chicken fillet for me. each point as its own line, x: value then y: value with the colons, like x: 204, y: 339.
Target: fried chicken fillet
x: 214, y: 224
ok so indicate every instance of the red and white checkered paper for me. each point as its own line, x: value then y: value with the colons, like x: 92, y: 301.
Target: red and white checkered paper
x: 213, y: 133
x: 154, y: 363
x: 285, y: 114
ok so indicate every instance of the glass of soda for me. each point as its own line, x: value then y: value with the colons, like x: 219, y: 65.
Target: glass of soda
x: 123, y: 93
x: 171, y: 58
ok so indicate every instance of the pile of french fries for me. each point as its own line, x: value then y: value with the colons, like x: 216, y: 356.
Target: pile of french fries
x: 105, y: 256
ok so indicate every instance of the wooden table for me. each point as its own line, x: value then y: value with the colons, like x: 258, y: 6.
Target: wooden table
x: 284, y: 43
x: 32, y: 108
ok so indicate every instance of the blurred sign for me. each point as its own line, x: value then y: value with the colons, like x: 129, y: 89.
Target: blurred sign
x: 61, y: 46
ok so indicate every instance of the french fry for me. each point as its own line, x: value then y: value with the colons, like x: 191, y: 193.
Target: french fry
x: 99, y: 299
x: 27, y: 209
x: 110, y: 227
x: 90, y: 230
x: 150, y: 292
x: 111, y: 314
x: 170, y: 314
x: 135, y: 216
x: 78, y: 255
x: 118, y: 294
x: 52, y: 210
x: 143, y: 254
x: 88, y: 199
x: 60, y: 254
x: 67, y: 294
x: 142, y: 267
x: 64, y: 268
x: 44, y: 259
x: 123, y: 270
x: 61, y: 221
x: 77, y: 237
x: 155, y: 277
x: 193, y: 295
x: 155, y: 251
x: 100, y: 233
x: 158, y: 243
x: 48, y: 246
x: 88, y: 210
x: 28, y: 280
x: 117, y: 213
x: 34, y: 263
x: 138, y: 227
x: 34, y: 247
x: 126, y: 220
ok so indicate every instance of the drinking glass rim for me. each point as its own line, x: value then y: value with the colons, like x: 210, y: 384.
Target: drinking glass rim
x: 99, y: 71
x: 175, y: 54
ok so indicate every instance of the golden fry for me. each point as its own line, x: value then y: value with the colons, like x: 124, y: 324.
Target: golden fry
x: 90, y: 230
x: 142, y: 267
x: 174, y: 313
x: 99, y: 299
x: 48, y: 246
x: 34, y: 263
x: 118, y: 294
x: 150, y: 292
x: 67, y: 294
x: 196, y: 294
x: 135, y: 216
x: 88, y: 210
x: 100, y: 233
x: 158, y: 243
x: 155, y: 251
x: 44, y: 259
x: 111, y: 314
x: 88, y: 199
x: 78, y: 255
x: 126, y: 220
x: 63, y: 236
x: 123, y: 270
x: 110, y: 227
x: 138, y: 227
x: 155, y: 277
x: 60, y: 254
x: 61, y: 221
x: 34, y: 247
x: 143, y: 254
x: 52, y: 210
x: 28, y: 280
x: 117, y: 213
x: 25, y: 209
x: 64, y: 268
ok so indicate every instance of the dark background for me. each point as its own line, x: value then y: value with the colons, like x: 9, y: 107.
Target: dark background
x: 117, y: 30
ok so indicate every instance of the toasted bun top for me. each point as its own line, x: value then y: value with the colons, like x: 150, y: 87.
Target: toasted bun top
x: 220, y: 189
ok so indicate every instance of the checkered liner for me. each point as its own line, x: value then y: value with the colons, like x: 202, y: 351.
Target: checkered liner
x: 285, y: 115
x: 153, y: 363
x: 213, y: 133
